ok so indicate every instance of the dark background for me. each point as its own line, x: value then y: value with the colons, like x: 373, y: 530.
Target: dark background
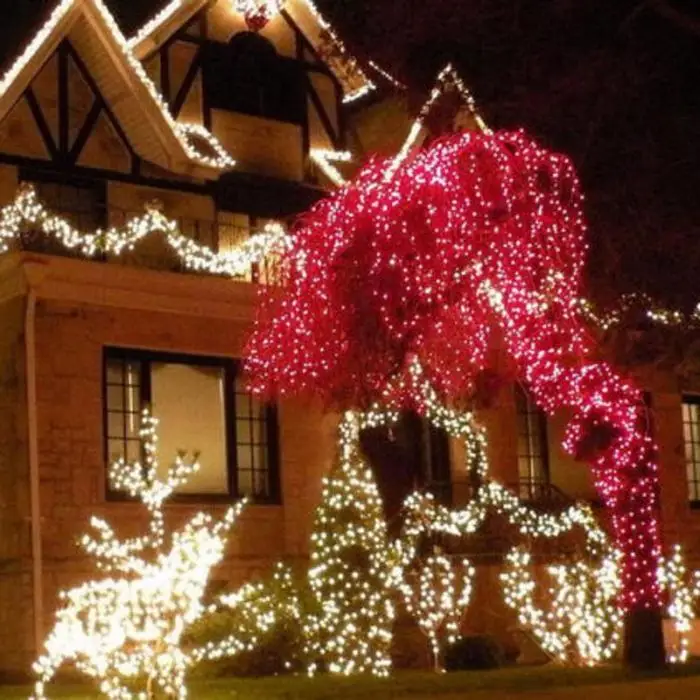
x: 613, y: 83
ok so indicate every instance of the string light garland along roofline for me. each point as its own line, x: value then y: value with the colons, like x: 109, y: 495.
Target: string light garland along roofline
x: 448, y: 78
x: 28, y: 210
x: 155, y: 22
x: 368, y: 85
x: 655, y: 313
x: 325, y: 159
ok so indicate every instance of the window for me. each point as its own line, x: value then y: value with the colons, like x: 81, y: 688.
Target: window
x: 691, y: 439
x: 533, y: 466
x: 248, y: 76
x: 82, y: 202
x: 411, y: 454
x: 202, y: 406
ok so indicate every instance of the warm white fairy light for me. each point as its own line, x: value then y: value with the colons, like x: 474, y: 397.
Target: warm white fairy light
x: 221, y: 159
x: 386, y: 75
x: 584, y: 622
x: 654, y: 312
x: 447, y: 79
x: 350, y: 629
x: 155, y: 22
x: 258, y: 607
x: 436, y: 594
x: 34, y: 45
x: 683, y: 593
x: 27, y: 211
x: 325, y: 158
x: 587, y: 622
x: 353, y: 66
x: 129, y: 627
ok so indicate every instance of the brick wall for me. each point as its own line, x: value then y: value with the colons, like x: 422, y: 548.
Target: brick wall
x: 69, y: 341
x: 16, y: 612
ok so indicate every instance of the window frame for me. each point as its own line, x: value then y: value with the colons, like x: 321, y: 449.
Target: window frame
x: 534, y: 418
x: 694, y: 503
x: 232, y: 369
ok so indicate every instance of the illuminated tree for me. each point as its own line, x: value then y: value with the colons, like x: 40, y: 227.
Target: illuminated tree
x: 436, y: 594
x: 128, y: 628
x: 350, y: 629
x: 583, y: 622
x: 424, y: 258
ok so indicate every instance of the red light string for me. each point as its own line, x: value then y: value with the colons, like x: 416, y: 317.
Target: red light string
x: 475, y: 240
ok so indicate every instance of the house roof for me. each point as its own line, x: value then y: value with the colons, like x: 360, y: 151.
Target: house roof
x: 135, y: 100
x: 353, y: 77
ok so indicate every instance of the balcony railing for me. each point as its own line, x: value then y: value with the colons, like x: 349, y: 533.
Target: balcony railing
x: 496, y: 536
x: 218, y: 236
x: 540, y: 494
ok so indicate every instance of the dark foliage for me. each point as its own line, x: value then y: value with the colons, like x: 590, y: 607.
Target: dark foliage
x: 474, y: 652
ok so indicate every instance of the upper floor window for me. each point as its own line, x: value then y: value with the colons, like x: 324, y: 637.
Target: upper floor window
x: 202, y: 406
x: 533, y: 463
x: 691, y: 440
x: 82, y: 202
x: 410, y: 455
x: 247, y: 75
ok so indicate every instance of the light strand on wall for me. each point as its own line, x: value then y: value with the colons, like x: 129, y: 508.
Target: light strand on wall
x: 654, y: 312
x: 221, y: 160
x: 27, y: 210
x: 448, y: 78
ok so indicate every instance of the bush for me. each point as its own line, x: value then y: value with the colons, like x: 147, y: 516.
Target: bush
x: 474, y: 652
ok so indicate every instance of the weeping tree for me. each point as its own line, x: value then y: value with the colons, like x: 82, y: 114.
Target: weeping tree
x: 428, y: 258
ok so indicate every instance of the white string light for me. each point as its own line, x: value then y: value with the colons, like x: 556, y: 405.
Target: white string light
x: 584, y: 623
x: 28, y: 212
x: 436, y: 594
x: 350, y: 629
x: 352, y: 64
x: 683, y: 596
x: 155, y: 23
x: 325, y: 158
x: 128, y: 627
x: 447, y: 79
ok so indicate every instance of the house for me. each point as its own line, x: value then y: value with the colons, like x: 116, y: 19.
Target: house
x: 222, y: 119
x: 211, y: 123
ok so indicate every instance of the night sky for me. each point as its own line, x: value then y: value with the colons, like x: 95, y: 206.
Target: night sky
x: 613, y: 83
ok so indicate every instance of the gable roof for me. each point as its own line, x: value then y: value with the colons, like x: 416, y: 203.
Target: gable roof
x: 133, y: 97
x: 304, y: 13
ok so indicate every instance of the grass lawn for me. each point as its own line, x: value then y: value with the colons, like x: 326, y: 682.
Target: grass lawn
x: 542, y: 682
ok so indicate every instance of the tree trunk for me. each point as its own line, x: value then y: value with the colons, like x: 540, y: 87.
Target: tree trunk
x: 644, y: 640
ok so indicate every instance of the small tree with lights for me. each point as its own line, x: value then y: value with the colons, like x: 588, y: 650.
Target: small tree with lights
x: 128, y: 629
x: 349, y: 629
x: 436, y: 593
